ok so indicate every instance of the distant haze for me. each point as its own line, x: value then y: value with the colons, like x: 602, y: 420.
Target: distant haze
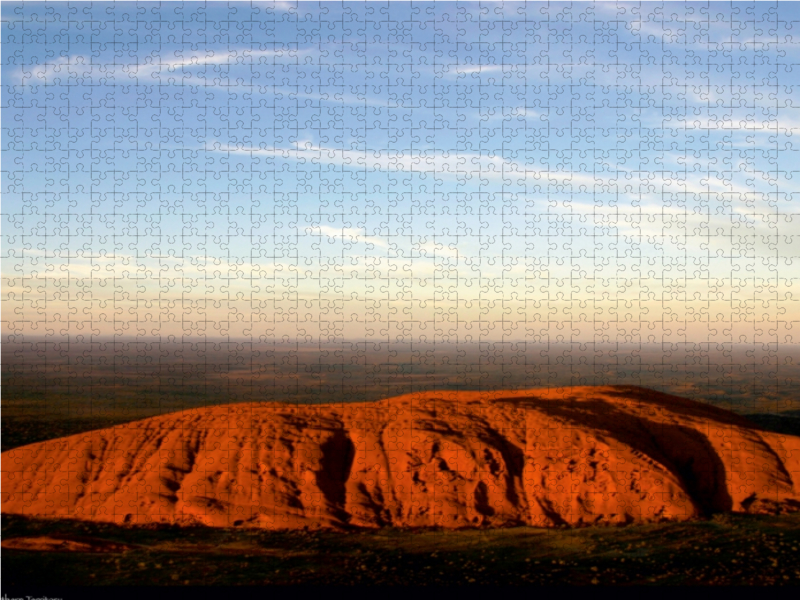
x: 137, y: 379
x: 206, y: 203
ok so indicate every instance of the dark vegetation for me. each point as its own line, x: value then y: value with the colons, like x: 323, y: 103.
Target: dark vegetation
x: 786, y: 422
x: 19, y: 431
x: 730, y: 549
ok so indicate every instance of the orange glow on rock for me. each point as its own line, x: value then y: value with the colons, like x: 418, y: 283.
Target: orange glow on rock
x: 568, y: 456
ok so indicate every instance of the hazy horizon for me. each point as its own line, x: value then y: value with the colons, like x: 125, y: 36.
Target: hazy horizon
x: 138, y: 379
x: 197, y: 197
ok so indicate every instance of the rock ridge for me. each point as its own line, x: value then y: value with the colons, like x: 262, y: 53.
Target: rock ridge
x: 544, y: 457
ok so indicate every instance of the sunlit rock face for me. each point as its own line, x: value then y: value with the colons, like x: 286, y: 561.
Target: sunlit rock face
x: 569, y: 456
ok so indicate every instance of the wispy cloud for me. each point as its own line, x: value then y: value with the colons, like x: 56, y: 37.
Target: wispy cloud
x: 440, y: 162
x: 781, y: 125
x: 482, y: 69
x: 61, y: 69
x: 347, y: 234
x: 281, y: 5
x: 154, y: 65
x: 157, y: 65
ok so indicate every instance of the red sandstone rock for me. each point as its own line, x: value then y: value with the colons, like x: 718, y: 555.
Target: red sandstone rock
x: 584, y: 455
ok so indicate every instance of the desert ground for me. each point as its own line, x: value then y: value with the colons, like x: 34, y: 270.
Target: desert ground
x: 740, y: 550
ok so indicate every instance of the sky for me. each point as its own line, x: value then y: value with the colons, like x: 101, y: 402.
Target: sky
x: 452, y: 173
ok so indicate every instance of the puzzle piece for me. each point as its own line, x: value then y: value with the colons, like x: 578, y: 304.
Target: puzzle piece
x: 338, y: 203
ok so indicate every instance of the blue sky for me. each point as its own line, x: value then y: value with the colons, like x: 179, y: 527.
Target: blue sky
x: 452, y: 172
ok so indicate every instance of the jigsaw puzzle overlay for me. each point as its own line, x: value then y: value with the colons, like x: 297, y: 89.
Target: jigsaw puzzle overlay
x: 217, y: 203
x: 546, y: 458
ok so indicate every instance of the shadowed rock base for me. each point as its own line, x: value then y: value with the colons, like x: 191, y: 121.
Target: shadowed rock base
x: 570, y: 456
